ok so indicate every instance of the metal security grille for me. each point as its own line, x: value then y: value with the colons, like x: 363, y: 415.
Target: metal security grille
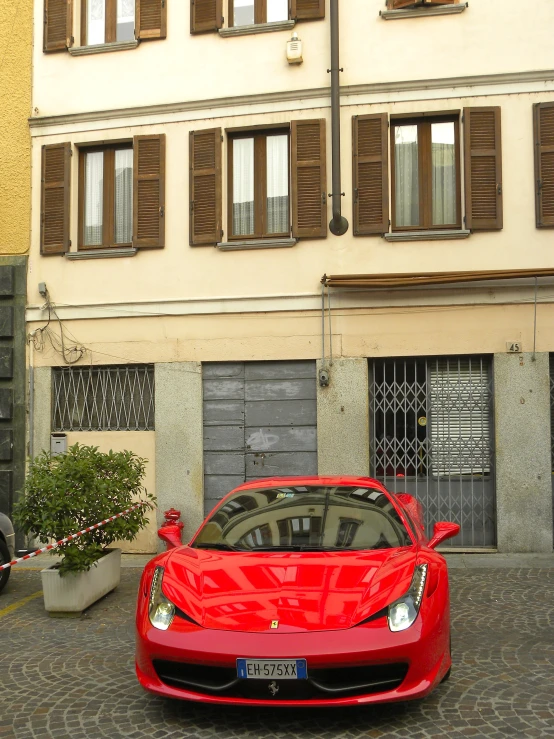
x: 431, y: 422
x: 114, y: 398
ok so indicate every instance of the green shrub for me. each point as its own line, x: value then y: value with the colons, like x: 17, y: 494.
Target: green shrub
x: 68, y: 492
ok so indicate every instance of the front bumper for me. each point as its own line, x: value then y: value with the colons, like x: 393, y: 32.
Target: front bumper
x: 423, y: 650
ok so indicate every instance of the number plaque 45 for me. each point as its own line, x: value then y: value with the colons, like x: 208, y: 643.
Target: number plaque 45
x: 514, y: 347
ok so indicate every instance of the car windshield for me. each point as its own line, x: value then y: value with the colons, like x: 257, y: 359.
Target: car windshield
x: 304, y: 518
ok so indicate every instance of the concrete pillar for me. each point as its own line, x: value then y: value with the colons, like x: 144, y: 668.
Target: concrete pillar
x: 179, y: 442
x: 523, y: 463
x: 343, y: 419
x: 42, y: 410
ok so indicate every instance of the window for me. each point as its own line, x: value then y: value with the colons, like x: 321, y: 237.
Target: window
x: 259, y: 185
x: 276, y: 183
x: 121, y: 196
x: 300, y: 530
x: 321, y: 517
x: 114, y: 398
x: 425, y: 191
x: 207, y: 15
x: 102, y: 22
x: 257, y: 537
x: 106, y: 21
x: 348, y: 529
x: 106, y: 196
x: 248, y: 12
x: 425, y: 174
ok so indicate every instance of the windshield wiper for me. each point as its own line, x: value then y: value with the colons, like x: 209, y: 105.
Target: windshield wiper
x: 219, y: 546
x: 297, y: 548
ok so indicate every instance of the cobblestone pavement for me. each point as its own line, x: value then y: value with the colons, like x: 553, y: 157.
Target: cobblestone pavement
x: 75, y: 678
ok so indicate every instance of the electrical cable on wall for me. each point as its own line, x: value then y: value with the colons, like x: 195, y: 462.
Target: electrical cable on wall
x: 71, y: 352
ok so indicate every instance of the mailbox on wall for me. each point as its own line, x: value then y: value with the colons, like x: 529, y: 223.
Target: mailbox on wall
x: 58, y: 444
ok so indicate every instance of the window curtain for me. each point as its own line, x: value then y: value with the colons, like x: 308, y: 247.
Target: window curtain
x: 94, y: 198
x: 444, y: 183
x: 406, y: 176
x: 243, y: 187
x: 96, y: 22
x: 123, y: 196
x: 125, y: 20
x: 243, y: 12
x: 277, y: 184
x: 277, y: 10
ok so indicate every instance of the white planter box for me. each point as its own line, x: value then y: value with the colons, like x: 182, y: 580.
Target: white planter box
x: 77, y: 591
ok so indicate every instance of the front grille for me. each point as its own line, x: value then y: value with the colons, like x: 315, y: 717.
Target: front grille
x: 332, y: 682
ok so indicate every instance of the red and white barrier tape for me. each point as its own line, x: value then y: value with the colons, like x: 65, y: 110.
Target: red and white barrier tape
x: 70, y: 537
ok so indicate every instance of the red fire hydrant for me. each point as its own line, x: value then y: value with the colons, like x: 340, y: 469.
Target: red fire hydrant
x: 172, y: 529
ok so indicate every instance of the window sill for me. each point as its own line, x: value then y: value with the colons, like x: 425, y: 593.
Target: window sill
x: 102, y: 253
x: 256, y: 244
x: 257, y: 28
x: 427, y: 235
x: 393, y: 15
x: 102, y: 48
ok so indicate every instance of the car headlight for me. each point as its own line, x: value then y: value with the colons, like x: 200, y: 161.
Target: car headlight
x: 403, y: 612
x: 160, y: 609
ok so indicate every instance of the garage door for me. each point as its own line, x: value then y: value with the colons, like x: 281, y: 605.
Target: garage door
x: 260, y: 420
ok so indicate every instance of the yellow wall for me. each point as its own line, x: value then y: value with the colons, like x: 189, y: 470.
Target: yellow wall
x: 16, y: 32
x: 143, y: 444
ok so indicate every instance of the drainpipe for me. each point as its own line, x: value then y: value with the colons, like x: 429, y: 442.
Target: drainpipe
x: 339, y: 225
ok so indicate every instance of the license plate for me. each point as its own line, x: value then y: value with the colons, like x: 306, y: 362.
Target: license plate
x: 272, y: 669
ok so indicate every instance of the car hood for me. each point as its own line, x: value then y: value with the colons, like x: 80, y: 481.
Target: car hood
x: 303, y: 591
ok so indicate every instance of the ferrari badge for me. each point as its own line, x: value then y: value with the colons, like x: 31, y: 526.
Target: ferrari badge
x: 275, y: 624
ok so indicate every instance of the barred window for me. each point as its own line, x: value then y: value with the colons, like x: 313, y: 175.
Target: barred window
x: 113, y: 398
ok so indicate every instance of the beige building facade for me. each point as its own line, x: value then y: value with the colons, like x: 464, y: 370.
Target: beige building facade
x: 180, y: 211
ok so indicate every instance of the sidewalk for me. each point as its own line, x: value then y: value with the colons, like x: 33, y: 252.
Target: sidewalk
x: 47, y: 560
x: 493, y: 560
x: 455, y: 561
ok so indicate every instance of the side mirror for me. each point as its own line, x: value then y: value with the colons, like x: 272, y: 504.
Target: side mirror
x: 443, y: 530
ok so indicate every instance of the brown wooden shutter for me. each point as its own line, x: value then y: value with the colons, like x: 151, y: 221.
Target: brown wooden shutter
x: 205, y: 187
x: 151, y: 19
x: 370, y: 169
x: 54, y: 206
x: 305, y: 10
x: 205, y: 15
x: 309, y: 179
x: 543, y: 114
x: 483, y: 168
x: 149, y: 191
x: 58, y: 25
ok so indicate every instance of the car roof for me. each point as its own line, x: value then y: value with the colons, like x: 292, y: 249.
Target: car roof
x: 312, y: 480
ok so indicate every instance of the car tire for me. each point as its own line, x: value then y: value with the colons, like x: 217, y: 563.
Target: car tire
x: 447, y: 675
x: 4, y: 557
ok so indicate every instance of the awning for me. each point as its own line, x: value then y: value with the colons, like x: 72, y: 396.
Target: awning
x: 396, y: 280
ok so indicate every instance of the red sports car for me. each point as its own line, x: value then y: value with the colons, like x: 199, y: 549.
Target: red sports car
x: 299, y: 591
